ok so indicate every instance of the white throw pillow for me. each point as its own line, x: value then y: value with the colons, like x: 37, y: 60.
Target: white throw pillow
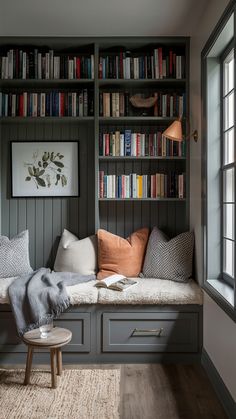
x: 74, y: 255
x: 14, y: 255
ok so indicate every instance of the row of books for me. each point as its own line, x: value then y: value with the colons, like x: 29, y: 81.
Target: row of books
x: 33, y: 64
x: 45, y: 64
x: 159, y: 185
x: 157, y: 65
x: 117, y: 104
x: 46, y: 104
x: 137, y: 144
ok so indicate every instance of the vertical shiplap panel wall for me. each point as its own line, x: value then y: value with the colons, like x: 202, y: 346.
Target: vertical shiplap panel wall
x: 46, y: 218
x: 123, y: 218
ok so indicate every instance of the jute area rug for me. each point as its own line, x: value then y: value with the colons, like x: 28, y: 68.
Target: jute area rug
x: 81, y: 394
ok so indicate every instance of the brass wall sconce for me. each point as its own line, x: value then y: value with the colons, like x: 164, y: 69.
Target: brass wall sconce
x: 175, y: 133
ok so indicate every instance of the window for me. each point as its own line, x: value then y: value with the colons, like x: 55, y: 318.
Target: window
x: 219, y: 163
x: 228, y: 166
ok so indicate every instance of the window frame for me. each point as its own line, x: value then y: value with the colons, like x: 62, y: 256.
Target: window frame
x: 224, y: 167
x: 215, y: 285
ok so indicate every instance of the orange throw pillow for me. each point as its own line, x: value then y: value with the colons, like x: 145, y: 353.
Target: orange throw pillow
x: 121, y: 256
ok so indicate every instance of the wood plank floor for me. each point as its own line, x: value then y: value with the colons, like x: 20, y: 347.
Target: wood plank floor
x: 159, y: 391
x: 156, y: 391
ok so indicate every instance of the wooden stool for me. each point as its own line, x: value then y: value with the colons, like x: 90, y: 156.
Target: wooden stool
x: 57, y: 338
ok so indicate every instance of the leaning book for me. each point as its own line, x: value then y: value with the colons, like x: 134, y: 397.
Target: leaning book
x: 116, y: 282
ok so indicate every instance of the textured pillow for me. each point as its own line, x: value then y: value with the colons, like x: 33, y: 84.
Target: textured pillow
x: 74, y: 255
x: 169, y: 259
x: 14, y: 255
x: 122, y: 256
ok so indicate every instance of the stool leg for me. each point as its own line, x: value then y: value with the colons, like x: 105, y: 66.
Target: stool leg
x: 28, y: 364
x: 59, y: 361
x: 53, y: 367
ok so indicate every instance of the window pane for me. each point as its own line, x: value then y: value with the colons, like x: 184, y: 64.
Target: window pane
x: 229, y: 111
x: 228, y: 185
x: 228, y: 262
x: 229, y: 147
x: 228, y: 214
x: 229, y: 73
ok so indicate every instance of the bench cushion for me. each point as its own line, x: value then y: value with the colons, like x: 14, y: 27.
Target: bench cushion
x: 154, y: 291
x: 85, y: 293
x: 147, y: 291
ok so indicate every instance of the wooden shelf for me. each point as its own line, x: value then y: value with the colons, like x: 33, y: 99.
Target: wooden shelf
x: 133, y: 82
x: 40, y: 83
x: 114, y: 158
x: 21, y: 119
x: 142, y: 199
x: 123, y: 119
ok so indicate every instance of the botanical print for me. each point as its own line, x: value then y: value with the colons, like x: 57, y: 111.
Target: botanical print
x: 46, y: 170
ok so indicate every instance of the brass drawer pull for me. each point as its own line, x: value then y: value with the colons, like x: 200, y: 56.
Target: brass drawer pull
x: 147, y: 332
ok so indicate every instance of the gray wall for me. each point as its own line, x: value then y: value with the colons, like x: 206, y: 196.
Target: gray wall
x: 100, y: 17
x: 220, y: 346
x: 46, y: 218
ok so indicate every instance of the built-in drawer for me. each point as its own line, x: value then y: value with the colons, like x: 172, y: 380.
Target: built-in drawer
x: 78, y: 323
x: 150, y: 332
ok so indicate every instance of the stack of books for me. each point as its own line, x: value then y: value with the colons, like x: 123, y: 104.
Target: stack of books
x: 137, y: 144
x: 35, y: 64
x: 60, y: 104
x: 159, y: 185
x: 158, y: 64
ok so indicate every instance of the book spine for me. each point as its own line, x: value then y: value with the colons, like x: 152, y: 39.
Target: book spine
x: 1, y: 103
x: 133, y: 145
x: 42, y: 104
x: 122, y: 147
x: 127, y: 142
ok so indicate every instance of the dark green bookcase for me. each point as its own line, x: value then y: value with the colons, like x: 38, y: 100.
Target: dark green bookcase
x: 47, y: 217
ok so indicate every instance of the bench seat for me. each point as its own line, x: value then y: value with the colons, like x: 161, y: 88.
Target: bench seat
x: 147, y: 291
x: 154, y: 321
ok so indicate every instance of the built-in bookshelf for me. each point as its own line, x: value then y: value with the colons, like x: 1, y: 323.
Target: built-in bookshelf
x: 142, y: 174
x: 90, y: 89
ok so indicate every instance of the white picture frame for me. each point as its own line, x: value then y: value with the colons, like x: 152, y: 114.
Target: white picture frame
x: 44, y: 169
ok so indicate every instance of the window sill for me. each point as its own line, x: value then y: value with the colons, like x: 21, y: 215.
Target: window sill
x: 222, y: 294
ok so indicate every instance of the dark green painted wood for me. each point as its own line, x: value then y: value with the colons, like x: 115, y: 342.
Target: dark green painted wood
x: 89, y: 331
x: 179, y: 332
x: 46, y: 218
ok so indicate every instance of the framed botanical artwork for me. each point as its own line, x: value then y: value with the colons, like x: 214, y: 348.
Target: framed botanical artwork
x: 45, y: 169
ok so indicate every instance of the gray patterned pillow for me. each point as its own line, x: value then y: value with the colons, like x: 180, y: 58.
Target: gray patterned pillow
x: 14, y: 255
x: 169, y: 259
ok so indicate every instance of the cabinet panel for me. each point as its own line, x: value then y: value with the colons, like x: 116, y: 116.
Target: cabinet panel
x: 78, y: 323
x: 9, y: 339
x: 150, y: 332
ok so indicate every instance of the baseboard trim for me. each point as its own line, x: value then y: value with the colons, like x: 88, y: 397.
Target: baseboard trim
x: 220, y: 388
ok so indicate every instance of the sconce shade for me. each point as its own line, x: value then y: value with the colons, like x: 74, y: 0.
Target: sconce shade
x: 174, y: 131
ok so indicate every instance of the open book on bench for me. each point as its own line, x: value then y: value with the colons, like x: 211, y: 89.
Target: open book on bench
x: 116, y: 282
